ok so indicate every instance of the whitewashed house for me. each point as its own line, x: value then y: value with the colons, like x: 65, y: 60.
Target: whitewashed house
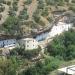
x: 29, y: 43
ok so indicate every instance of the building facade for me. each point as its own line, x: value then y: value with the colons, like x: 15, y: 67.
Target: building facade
x: 29, y: 43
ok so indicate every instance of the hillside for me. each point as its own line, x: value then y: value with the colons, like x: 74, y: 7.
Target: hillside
x: 21, y: 17
x: 37, y: 37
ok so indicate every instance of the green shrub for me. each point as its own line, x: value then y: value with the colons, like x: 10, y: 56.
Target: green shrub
x: 0, y: 16
x: 2, y: 8
x: 63, y: 46
x: 24, y: 15
x: 25, y: 53
x: 11, y: 25
x: 72, y: 7
x: 45, y: 13
x: 8, y: 3
x: 42, y: 68
x: 28, y: 2
x: 15, y: 5
x: 50, y: 19
x: 41, y: 4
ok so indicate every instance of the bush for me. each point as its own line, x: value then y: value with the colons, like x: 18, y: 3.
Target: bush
x: 37, y: 19
x: 2, y: 8
x: 42, y: 68
x: 11, y: 12
x: 45, y: 13
x: 28, y: 2
x: 8, y: 2
x: 0, y: 16
x: 15, y: 7
x: 41, y: 4
x: 24, y: 15
x: 50, y: 19
x: 50, y: 2
x: 2, y: 1
x: 55, y: 2
x: 25, y: 53
x: 72, y: 7
x: 42, y: 23
x: 11, y: 25
x: 63, y: 46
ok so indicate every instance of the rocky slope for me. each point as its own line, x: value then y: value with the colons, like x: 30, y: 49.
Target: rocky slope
x: 21, y: 17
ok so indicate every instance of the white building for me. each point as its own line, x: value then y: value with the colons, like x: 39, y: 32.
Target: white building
x: 29, y: 43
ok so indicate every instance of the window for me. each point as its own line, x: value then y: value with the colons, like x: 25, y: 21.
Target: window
x: 27, y: 45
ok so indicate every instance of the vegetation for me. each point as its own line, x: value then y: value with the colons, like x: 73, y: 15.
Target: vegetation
x: 11, y: 25
x: 28, y: 54
x: 28, y: 2
x: 45, y: 13
x: 42, y: 68
x: 41, y: 4
x: 50, y: 19
x: 23, y: 14
x: 55, y: 2
x: 2, y: 8
x: 63, y: 47
x: 2, y: 1
x: 15, y: 5
x: 72, y: 7
x: 11, y: 65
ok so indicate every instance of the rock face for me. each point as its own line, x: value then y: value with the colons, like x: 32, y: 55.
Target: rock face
x: 57, y: 30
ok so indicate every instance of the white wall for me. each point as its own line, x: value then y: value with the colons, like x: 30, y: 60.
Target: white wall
x: 29, y: 44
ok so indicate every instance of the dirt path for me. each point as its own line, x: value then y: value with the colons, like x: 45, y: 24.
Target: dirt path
x: 20, y: 7
x: 4, y: 14
x: 32, y: 7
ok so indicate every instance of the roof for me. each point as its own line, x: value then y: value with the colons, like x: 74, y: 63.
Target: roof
x: 68, y: 70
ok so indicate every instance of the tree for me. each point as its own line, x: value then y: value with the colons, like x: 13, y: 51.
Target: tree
x: 63, y: 46
x: 6, y: 68
x: 28, y: 2
x: 42, y: 67
x: 11, y: 25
